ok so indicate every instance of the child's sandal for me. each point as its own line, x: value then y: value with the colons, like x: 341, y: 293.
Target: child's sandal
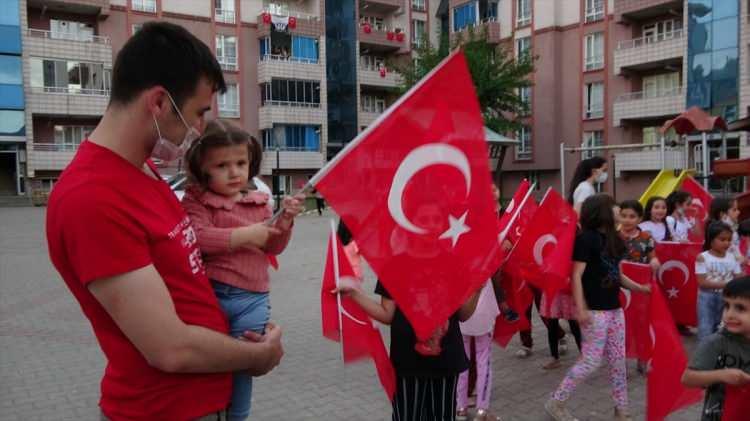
x: 484, y: 415
x: 462, y: 414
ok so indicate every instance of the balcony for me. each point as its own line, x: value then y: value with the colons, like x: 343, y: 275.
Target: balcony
x: 297, y: 22
x: 638, y: 10
x: 283, y: 112
x: 381, y: 6
x: 227, y: 63
x: 229, y: 111
x: 640, y: 106
x: 78, y: 7
x: 365, y: 118
x: 225, y: 15
x: 71, y: 46
x: 488, y: 26
x: 380, y: 39
x: 289, y: 68
x: 49, y: 156
x: 649, y: 159
x: 650, y: 53
x: 291, y: 160
x: 375, y: 77
x: 67, y: 101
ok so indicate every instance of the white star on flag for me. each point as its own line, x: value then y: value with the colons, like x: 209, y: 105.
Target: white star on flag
x: 457, y: 228
x: 673, y: 292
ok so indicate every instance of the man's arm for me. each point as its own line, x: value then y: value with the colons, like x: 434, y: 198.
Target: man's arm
x: 140, y: 304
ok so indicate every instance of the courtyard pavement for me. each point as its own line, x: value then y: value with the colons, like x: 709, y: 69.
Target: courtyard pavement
x: 50, y: 363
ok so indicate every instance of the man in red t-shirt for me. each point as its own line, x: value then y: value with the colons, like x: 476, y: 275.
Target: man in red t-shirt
x: 128, y: 252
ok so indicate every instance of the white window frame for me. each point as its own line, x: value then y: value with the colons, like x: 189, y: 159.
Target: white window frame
x: 593, y: 46
x: 524, y: 93
x: 373, y: 104
x: 662, y: 30
x: 418, y: 5
x: 227, y: 62
x: 418, y: 35
x: 71, y: 30
x: 523, y: 13
x: 660, y: 85
x: 593, y: 109
x: 225, y: 11
x: 591, y: 139
x: 144, y: 5
x: 377, y: 23
x: 69, y: 137
x: 523, y: 46
x: 524, y: 147
x: 594, y: 10
x: 229, y: 107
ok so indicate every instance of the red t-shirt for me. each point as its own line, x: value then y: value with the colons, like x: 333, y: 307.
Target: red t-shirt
x: 106, y: 217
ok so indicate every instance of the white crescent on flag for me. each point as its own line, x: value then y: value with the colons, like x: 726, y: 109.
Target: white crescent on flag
x: 539, y: 247
x: 674, y: 264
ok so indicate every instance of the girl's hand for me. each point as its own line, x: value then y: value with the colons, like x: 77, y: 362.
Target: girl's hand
x: 348, y: 287
x: 735, y: 377
x: 507, y: 245
x: 293, y: 206
x: 646, y: 289
x: 655, y: 265
x: 260, y: 233
x: 584, y: 316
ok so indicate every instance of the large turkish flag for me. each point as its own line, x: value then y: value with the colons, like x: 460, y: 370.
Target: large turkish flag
x: 414, y: 189
x: 636, y: 307
x: 677, y: 279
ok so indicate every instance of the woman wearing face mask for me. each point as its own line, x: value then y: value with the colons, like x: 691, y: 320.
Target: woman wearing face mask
x: 588, y: 172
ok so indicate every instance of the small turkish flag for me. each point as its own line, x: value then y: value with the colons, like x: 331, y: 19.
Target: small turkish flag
x: 736, y: 403
x: 636, y: 307
x: 677, y: 279
x: 292, y: 22
x: 414, y: 190
x: 515, y: 202
x: 519, y: 297
x: 520, y: 219
x: 344, y: 320
x: 665, y: 393
x: 543, y: 255
x: 699, y: 207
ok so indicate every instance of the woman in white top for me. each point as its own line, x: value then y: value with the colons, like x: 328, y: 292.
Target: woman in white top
x: 588, y: 172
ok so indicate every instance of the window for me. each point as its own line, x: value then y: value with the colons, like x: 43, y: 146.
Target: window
x: 593, y: 97
x: 523, y: 150
x: 523, y: 47
x: 594, y: 10
x: 373, y: 104
x: 377, y: 23
x: 69, y: 137
x: 594, y: 51
x: 60, y: 76
x: 10, y: 70
x: 76, y: 31
x: 524, y: 94
x: 464, y: 16
x: 229, y: 102
x: 292, y: 137
x: 661, y: 85
x: 523, y: 12
x: 373, y: 63
x: 144, y: 5
x: 592, y: 139
x: 136, y: 27
x: 289, y: 92
x: 12, y: 123
x: 417, y: 32
x: 304, y: 49
x: 226, y: 52
x: 418, y: 5
x: 659, y: 31
x: 224, y: 11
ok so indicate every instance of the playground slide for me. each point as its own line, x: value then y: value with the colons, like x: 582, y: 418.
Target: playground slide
x: 732, y: 168
x: 664, y: 183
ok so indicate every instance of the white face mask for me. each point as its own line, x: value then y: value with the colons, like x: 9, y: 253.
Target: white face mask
x: 168, y: 151
x: 602, y: 178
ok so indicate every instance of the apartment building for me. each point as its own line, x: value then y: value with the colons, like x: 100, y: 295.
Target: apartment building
x: 610, y: 72
x: 272, y: 53
x: 12, y: 103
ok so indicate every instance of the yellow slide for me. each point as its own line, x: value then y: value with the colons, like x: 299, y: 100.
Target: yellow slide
x: 664, y: 183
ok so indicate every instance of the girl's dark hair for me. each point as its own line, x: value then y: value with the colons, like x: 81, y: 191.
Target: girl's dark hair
x: 633, y: 205
x: 713, y: 230
x: 744, y: 228
x: 718, y: 206
x: 343, y: 232
x: 675, y: 198
x: 583, y: 171
x: 218, y: 134
x: 647, y: 214
x: 597, y: 214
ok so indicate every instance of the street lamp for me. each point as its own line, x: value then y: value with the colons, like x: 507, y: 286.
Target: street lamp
x: 277, y: 130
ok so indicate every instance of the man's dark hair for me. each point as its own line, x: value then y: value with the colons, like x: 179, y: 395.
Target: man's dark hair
x: 738, y: 288
x: 163, y: 54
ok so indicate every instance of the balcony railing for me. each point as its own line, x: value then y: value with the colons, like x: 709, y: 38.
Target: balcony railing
x: 290, y: 104
x: 68, y: 90
x: 225, y: 15
x: 277, y: 57
x: 55, y: 147
x: 232, y: 111
x: 227, y: 62
x: 144, y: 5
x: 651, y: 39
x: 68, y: 36
x: 635, y: 96
x: 291, y: 13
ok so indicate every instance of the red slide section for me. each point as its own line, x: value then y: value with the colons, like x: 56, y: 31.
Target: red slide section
x: 732, y: 168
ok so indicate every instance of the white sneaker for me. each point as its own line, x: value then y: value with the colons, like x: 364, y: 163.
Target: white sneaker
x: 524, y: 353
x: 558, y: 411
x: 563, y: 346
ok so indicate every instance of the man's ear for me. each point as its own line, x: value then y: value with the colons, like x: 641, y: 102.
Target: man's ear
x: 156, y: 100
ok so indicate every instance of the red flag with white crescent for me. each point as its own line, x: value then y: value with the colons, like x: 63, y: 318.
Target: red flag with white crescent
x: 414, y: 189
x: 636, y: 306
x: 677, y: 279
x: 515, y: 202
x: 699, y: 207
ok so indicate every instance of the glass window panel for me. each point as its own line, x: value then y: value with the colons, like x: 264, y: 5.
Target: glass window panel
x: 725, y: 8
x: 74, y: 75
x: 316, y: 93
x: 10, y: 70
x: 723, y: 92
x: 724, y: 64
x: 699, y: 39
x: 12, y: 123
x: 293, y: 91
x: 9, y: 13
x: 700, y: 11
x: 724, y: 33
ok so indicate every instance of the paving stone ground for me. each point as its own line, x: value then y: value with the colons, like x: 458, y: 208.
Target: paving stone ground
x: 50, y: 364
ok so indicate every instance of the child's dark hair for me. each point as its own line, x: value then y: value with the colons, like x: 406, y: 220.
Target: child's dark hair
x: 218, y: 134
x: 583, y: 172
x: 713, y: 230
x: 738, y: 288
x: 675, y: 198
x: 633, y: 205
x: 597, y: 214
x: 648, y: 217
x: 718, y: 206
x: 744, y: 228
x: 343, y: 232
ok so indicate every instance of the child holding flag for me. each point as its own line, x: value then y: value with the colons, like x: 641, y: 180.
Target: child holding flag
x: 677, y: 221
x: 718, y: 361
x: 655, y: 219
x: 596, y: 285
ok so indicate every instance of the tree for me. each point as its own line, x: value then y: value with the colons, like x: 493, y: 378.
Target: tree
x: 496, y: 73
